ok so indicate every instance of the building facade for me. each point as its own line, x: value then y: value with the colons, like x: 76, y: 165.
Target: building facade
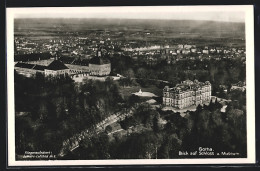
x: 77, y: 69
x: 99, y: 66
x: 47, y: 67
x: 96, y: 66
x: 186, y: 94
x: 100, y: 69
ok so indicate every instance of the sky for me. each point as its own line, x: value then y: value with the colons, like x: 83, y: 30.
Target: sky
x: 214, y: 13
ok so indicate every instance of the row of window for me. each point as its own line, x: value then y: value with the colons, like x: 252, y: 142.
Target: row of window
x: 99, y: 70
x: 183, y: 102
x: 186, y: 94
x: 177, y: 96
x: 184, y: 105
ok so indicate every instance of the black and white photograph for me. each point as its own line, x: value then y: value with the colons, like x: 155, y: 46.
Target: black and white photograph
x: 130, y: 85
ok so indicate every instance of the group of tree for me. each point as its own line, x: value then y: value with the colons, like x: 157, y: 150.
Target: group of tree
x: 56, y: 109
x: 205, y: 127
x: 218, y: 72
x: 221, y: 131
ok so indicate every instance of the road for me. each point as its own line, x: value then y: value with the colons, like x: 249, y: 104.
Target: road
x: 164, y: 81
x: 151, y: 80
x: 73, y: 142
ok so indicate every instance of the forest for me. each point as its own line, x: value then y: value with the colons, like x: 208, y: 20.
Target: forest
x: 218, y: 72
x: 50, y: 110
x: 206, y: 127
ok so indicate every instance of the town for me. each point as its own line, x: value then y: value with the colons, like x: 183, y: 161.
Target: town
x: 128, y: 93
x: 84, y: 48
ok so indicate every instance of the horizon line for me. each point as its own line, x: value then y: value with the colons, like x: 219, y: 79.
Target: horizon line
x: 167, y: 19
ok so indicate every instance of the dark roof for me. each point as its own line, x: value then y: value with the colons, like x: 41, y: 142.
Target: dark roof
x: 40, y: 67
x: 24, y: 65
x: 187, y: 85
x: 74, y: 61
x: 99, y: 60
x: 56, y: 65
x: 83, y: 62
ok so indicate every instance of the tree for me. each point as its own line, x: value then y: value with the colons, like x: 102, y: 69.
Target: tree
x: 133, y: 99
x: 95, y: 147
x: 43, y: 111
x: 143, y: 76
x: 108, y: 129
x: 199, y: 108
x: 23, y: 134
x: 155, y: 124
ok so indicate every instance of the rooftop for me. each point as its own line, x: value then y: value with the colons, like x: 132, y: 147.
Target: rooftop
x: 45, y: 62
x: 187, y: 85
x: 42, y: 65
x: 24, y: 65
x: 56, y: 65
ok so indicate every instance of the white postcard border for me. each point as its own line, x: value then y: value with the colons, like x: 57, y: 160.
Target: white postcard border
x: 250, y: 83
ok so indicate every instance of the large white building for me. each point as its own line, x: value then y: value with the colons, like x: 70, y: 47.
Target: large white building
x: 186, y: 94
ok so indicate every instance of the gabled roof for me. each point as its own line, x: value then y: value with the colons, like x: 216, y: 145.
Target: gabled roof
x: 24, y: 65
x: 99, y: 60
x: 82, y: 62
x: 39, y: 67
x: 45, y: 62
x: 53, y: 65
x: 56, y: 65
x: 187, y: 85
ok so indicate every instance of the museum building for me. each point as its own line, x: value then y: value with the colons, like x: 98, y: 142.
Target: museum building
x: 187, y: 94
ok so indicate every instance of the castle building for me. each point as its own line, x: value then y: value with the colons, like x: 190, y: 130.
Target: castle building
x: 99, y: 66
x: 96, y: 66
x: 186, y: 94
x: 47, y: 67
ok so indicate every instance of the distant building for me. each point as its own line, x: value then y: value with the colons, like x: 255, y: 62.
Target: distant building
x: 241, y: 86
x: 186, y: 51
x: 212, y: 50
x: 99, y: 66
x: 188, y: 46
x: 186, y: 94
x: 219, y: 50
x: 180, y: 46
x: 226, y: 51
x: 205, y: 51
x: 193, y: 50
